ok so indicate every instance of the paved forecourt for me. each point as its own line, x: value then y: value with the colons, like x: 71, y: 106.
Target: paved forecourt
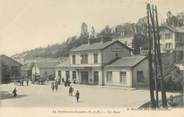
x: 90, y: 96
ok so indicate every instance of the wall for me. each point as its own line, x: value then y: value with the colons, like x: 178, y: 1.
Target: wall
x: 9, y: 62
x: 99, y: 75
x: 116, y: 76
x: 143, y: 66
x: 179, y: 47
x: 63, y: 73
x: 50, y: 71
x: 109, y: 55
x: 90, y: 58
x: 163, y: 40
x: 0, y: 74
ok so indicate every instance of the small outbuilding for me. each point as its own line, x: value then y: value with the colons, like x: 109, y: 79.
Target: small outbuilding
x: 10, y: 69
x: 130, y: 71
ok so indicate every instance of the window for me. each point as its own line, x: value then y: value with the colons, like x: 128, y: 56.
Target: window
x: 73, y: 59
x: 95, y: 58
x: 73, y: 75
x: 109, y: 76
x: 123, y: 77
x: 140, y: 76
x: 168, y: 45
x: 59, y: 73
x: 116, y: 54
x: 84, y: 59
x: 96, y: 75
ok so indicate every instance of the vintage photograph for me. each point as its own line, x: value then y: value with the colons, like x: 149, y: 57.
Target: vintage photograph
x: 92, y: 53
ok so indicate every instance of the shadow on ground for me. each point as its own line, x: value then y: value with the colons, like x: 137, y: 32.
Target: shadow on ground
x: 7, y: 95
x: 177, y: 102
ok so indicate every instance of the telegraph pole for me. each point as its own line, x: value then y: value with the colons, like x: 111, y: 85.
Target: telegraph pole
x: 153, y: 105
x: 153, y: 32
x: 164, y: 98
x: 155, y: 53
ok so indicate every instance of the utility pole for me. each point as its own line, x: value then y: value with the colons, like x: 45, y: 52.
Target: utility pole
x: 155, y: 53
x: 154, y: 45
x: 164, y: 98
x: 153, y: 105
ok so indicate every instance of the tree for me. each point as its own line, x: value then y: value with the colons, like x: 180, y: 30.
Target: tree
x: 141, y: 26
x: 139, y: 42
x: 93, y: 33
x: 84, y: 30
x: 175, y: 20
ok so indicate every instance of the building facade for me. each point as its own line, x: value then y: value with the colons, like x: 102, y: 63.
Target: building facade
x: 92, y: 64
x: 87, y: 61
x: 131, y: 71
x: 9, y: 69
x: 172, y: 40
x: 44, y: 70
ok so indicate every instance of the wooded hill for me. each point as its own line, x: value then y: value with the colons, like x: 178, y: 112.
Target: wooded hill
x: 137, y: 30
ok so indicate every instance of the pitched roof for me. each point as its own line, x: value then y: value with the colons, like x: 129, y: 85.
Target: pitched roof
x: 64, y: 63
x: 3, y: 57
x: 174, y: 29
x: 96, y: 46
x: 129, y: 61
x: 46, y: 64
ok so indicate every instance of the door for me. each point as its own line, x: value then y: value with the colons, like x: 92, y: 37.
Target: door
x: 84, y: 77
x: 67, y: 75
x: 96, y: 78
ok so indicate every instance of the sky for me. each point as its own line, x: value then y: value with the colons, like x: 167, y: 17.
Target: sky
x: 28, y: 24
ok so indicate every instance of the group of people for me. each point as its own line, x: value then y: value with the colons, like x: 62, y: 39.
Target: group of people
x: 55, y: 83
x: 77, y: 94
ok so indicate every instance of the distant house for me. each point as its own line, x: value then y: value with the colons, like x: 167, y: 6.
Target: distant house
x: 130, y: 71
x: 44, y: 70
x: 127, y: 41
x: 172, y: 39
x: 9, y: 69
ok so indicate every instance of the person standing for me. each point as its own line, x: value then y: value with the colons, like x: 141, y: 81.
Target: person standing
x: 70, y: 91
x: 63, y: 81
x: 59, y: 81
x: 56, y: 85
x: 52, y: 85
x: 14, y: 92
x: 27, y: 81
x: 77, y: 95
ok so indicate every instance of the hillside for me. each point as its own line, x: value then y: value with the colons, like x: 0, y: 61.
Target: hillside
x: 137, y: 30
